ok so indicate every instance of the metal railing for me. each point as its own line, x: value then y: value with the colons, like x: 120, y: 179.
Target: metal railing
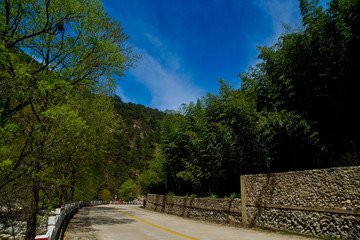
x: 62, y: 217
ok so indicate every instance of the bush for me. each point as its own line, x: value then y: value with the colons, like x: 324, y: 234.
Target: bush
x: 211, y: 195
x: 106, y: 195
x: 149, y: 182
x: 234, y: 195
x: 127, y: 191
x: 170, y: 197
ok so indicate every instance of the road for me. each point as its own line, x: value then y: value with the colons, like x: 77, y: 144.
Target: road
x: 110, y: 222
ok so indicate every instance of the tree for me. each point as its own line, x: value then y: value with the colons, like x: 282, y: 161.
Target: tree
x: 53, y: 53
x: 153, y: 180
x: 312, y: 73
x: 106, y: 195
x: 209, y: 144
x: 127, y: 191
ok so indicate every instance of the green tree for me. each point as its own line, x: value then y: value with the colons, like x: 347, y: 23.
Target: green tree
x: 53, y: 54
x: 106, y: 195
x: 127, y: 191
x: 152, y: 180
x: 312, y: 73
x: 209, y: 144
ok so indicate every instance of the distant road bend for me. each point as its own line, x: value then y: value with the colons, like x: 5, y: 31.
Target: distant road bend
x: 125, y: 222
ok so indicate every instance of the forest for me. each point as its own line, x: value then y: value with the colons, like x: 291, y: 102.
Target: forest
x: 65, y: 136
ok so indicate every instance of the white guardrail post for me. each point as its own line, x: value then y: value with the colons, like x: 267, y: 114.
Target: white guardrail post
x: 127, y: 202
x: 55, y: 222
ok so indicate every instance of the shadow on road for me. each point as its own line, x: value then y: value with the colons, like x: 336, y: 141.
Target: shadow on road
x: 100, y: 220
x: 82, y: 224
x: 106, y: 216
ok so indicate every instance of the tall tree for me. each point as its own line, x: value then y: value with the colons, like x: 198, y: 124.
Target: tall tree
x: 50, y: 52
x: 313, y: 72
x: 208, y: 145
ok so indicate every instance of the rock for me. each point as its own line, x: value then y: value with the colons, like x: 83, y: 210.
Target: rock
x: 20, y: 237
x: 2, y: 226
x: 9, y: 229
x: 17, y: 229
x: 5, y: 236
x: 357, y: 183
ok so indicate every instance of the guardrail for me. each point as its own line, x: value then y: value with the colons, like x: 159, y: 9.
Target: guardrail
x: 127, y: 202
x: 62, y: 217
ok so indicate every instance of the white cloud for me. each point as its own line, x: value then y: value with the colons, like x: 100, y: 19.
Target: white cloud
x: 120, y: 92
x: 168, y: 58
x: 160, y: 69
x: 169, y: 86
x: 281, y: 12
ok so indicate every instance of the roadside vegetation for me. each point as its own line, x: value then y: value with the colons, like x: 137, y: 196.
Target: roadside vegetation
x: 57, y: 67
x: 65, y: 137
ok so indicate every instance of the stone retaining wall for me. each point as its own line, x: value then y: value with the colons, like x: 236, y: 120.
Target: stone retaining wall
x: 215, y: 210
x: 323, y: 202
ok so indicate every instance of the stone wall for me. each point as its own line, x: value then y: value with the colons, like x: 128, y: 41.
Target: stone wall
x: 212, y: 209
x: 323, y: 202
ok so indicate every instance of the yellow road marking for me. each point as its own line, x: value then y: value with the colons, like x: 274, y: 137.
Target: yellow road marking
x: 155, y: 225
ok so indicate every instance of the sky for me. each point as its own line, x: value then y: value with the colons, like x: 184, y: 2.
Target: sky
x: 187, y: 45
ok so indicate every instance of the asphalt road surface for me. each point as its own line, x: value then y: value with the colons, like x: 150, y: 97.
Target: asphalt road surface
x: 124, y: 222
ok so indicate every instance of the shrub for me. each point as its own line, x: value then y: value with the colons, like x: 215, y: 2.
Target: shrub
x: 127, y: 191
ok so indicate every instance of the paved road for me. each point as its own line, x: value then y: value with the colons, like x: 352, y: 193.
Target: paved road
x: 110, y: 222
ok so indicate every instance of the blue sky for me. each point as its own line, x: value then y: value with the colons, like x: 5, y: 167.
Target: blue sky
x: 187, y: 45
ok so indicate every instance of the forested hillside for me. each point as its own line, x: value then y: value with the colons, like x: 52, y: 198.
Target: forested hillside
x: 135, y: 144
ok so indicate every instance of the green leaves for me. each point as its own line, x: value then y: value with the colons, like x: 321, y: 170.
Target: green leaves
x: 127, y: 191
x: 57, y: 66
x: 210, y: 143
x: 311, y: 72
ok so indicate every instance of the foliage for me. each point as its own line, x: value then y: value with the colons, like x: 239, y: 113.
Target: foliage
x: 152, y: 180
x: 234, y: 195
x: 209, y: 144
x: 313, y: 73
x: 106, y: 195
x: 211, y: 195
x: 127, y: 191
x: 193, y: 195
x: 133, y: 150
x: 57, y: 66
x: 170, y: 197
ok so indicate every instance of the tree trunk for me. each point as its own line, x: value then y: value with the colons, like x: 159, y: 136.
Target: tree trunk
x: 31, y: 218
x: 73, y: 179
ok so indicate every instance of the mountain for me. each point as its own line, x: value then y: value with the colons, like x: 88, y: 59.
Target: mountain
x: 135, y: 143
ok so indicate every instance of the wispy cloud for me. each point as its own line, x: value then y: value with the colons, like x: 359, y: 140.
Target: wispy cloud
x: 186, y: 45
x: 169, y: 85
x: 281, y: 12
x: 161, y: 72
x: 278, y: 13
x: 120, y: 92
